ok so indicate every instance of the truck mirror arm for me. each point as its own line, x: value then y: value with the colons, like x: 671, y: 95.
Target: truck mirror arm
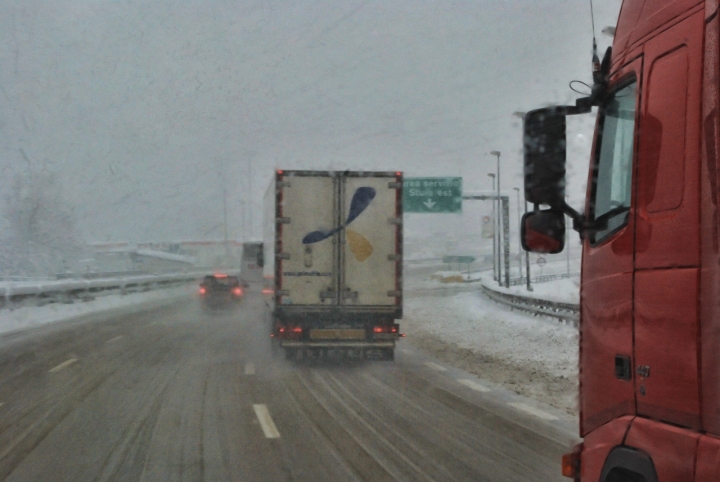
x: 581, y: 223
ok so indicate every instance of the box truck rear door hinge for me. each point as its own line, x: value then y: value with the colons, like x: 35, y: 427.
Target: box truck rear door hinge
x: 394, y: 220
x: 394, y: 293
x: 282, y: 220
x: 283, y: 256
x: 394, y: 257
x: 394, y: 185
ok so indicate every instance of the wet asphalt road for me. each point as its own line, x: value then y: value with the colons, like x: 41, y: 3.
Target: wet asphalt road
x: 173, y: 394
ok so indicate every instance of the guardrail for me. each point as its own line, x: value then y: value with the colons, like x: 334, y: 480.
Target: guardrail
x: 543, y: 278
x: 40, y: 293
x: 567, y: 312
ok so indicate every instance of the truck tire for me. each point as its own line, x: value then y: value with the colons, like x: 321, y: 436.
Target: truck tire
x: 389, y: 354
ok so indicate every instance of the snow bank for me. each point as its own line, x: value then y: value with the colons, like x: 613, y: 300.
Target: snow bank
x: 535, y: 357
x: 562, y: 290
x: 32, y: 316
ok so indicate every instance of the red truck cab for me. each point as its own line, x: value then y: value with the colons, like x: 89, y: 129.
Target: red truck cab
x: 650, y: 288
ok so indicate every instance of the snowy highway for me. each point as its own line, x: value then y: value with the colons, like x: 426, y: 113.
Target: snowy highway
x: 170, y: 393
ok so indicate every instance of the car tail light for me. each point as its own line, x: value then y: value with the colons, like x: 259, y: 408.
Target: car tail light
x: 392, y: 329
x: 203, y: 291
x: 237, y: 291
x: 571, y: 463
x: 290, y: 332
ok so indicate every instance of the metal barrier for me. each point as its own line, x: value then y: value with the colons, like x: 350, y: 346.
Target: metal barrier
x: 543, y: 278
x: 567, y: 312
x: 40, y: 293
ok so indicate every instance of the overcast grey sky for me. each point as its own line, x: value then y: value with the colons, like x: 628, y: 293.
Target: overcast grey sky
x: 146, y: 110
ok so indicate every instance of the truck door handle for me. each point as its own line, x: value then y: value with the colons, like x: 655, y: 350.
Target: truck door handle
x: 622, y: 367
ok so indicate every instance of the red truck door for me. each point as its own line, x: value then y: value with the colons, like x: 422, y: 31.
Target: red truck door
x: 606, y: 338
x: 667, y: 227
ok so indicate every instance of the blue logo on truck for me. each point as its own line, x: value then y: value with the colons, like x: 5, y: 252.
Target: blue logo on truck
x: 359, y: 245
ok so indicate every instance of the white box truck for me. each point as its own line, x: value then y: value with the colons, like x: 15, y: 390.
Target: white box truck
x: 333, y: 262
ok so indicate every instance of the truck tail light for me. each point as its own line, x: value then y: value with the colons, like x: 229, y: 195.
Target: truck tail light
x: 379, y: 329
x: 267, y: 291
x: 237, y: 291
x: 203, y: 291
x: 571, y: 463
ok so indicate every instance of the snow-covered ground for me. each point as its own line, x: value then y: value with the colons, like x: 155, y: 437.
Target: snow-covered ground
x: 533, y: 356
x: 32, y: 316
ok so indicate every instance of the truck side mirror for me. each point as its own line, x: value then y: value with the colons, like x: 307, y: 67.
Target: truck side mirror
x: 544, y: 145
x: 543, y: 231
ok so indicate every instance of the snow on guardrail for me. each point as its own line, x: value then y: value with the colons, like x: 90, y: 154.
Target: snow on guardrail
x: 41, y: 292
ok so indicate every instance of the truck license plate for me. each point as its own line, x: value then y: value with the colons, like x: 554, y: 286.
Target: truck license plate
x: 327, y: 334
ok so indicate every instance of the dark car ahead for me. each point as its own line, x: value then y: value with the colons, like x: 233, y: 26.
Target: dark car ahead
x: 221, y: 291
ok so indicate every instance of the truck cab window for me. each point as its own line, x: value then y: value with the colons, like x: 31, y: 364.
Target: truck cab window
x: 613, y: 188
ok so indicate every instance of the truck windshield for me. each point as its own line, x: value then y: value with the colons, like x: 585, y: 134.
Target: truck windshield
x: 614, y: 161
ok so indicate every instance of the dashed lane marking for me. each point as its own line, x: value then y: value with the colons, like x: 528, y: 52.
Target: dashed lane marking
x: 266, y: 421
x: 435, y: 366
x: 250, y: 369
x: 533, y: 411
x: 475, y: 385
x: 111, y: 340
x: 63, y: 365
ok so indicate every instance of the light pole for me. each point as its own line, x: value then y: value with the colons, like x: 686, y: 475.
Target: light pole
x: 521, y: 115
x: 517, y: 191
x: 225, y: 226
x: 495, y: 275
x: 499, y: 238
x: 527, y: 261
x: 567, y: 244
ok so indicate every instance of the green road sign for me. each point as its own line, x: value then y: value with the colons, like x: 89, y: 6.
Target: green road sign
x: 432, y: 194
x: 458, y: 259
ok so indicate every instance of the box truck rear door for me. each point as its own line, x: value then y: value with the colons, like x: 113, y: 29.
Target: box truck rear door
x: 308, y: 239
x: 370, y: 243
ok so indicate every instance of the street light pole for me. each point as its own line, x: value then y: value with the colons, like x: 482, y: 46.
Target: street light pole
x: 567, y: 244
x: 225, y: 226
x: 495, y: 275
x: 527, y: 260
x: 521, y: 115
x: 517, y: 191
x: 499, y: 239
